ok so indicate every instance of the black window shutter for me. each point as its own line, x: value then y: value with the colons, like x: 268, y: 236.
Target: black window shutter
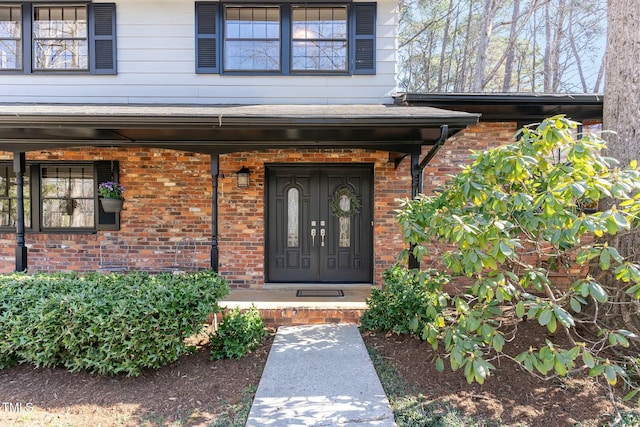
x: 363, y: 42
x: 207, y: 52
x: 107, y: 171
x: 103, y: 38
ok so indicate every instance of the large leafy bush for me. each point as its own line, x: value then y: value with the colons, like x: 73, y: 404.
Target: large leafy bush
x: 106, y: 324
x: 407, y: 301
x: 506, y: 221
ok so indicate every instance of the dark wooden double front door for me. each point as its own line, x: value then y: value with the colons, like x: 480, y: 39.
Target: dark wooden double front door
x: 319, y: 224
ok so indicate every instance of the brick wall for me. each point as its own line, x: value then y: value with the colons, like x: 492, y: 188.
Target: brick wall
x: 169, y: 198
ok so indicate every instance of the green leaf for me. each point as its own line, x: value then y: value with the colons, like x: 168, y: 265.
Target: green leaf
x: 506, y: 249
x: 560, y: 368
x: 605, y: 259
x: 545, y: 316
x: 596, y: 370
x: 597, y: 292
x: 552, y: 326
x: 472, y: 323
x: 498, y: 342
x: 481, y: 371
x: 621, y: 220
x: 630, y: 395
x: 575, y: 305
x: 520, y: 309
x: 587, y: 358
x: 468, y: 371
x: 414, y: 323
x: 610, y: 375
x: 520, y: 357
x: 565, y: 318
x: 439, y: 364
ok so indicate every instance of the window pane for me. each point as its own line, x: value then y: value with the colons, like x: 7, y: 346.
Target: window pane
x: 8, y: 198
x: 60, y: 38
x: 10, y: 55
x: 67, y: 22
x: 319, y: 39
x: 293, y: 209
x: 327, y: 56
x: 344, y: 240
x: 10, y: 22
x: 60, y: 54
x: 252, y: 55
x: 252, y: 39
x: 10, y: 38
x: 68, y: 197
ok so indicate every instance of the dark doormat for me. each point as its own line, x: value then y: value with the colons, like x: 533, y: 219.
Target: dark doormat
x: 331, y: 293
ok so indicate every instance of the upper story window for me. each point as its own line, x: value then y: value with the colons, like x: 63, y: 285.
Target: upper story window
x: 319, y: 39
x: 252, y: 39
x: 60, y: 38
x: 10, y: 37
x: 36, y: 37
x: 285, y: 38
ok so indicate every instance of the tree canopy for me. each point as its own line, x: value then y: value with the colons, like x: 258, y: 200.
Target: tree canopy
x: 549, y: 46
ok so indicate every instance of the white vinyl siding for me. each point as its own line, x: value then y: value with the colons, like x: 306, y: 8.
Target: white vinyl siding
x: 156, y: 62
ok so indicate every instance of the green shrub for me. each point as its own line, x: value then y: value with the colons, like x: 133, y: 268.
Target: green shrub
x: 106, y: 324
x: 407, y: 301
x: 238, y: 334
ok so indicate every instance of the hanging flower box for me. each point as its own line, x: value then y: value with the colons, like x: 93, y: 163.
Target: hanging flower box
x: 112, y: 205
x: 112, y: 196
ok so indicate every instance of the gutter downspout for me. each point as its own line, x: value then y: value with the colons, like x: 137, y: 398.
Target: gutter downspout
x: 417, y: 167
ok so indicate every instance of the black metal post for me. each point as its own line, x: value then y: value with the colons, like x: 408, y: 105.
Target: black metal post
x: 416, y: 188
x: 19, y: 165
x: 215, y: 171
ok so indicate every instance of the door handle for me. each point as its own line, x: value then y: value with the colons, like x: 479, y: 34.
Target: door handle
x: 322, y: 233
x: 313, y: 237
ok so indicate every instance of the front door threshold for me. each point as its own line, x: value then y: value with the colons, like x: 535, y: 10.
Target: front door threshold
x: 315, y: 285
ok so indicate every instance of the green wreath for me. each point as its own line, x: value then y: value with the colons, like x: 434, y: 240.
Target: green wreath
x: 354, y: 203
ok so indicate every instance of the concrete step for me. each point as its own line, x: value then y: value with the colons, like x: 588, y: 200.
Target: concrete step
x: 280, y: 306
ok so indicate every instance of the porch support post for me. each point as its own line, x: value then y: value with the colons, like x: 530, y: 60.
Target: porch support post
x: 417, y: 166
x: 416, y: 188
x: 215, y: 171
x: 19, y: 165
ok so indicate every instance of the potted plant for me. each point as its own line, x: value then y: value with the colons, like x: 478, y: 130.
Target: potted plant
x: 112, y: 196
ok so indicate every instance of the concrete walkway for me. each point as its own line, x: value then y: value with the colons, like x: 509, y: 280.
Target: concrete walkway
x: 319, y: 375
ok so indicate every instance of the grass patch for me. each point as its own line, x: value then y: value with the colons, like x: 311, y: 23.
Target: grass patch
x: 411, y: 408
x: 236, y: 415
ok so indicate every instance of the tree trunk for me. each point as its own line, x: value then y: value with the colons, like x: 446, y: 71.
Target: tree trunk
x: 483, y: 44
x: 461, y: 82
x: 621, y: 106
x: 508, y: 65
x: 443, y: 48
x: 576, y: 54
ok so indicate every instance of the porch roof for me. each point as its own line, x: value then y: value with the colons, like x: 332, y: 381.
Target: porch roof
x: 525, y: 108
x: 217, y: 129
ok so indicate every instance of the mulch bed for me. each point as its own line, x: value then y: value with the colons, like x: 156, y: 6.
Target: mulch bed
x: 195, y: 390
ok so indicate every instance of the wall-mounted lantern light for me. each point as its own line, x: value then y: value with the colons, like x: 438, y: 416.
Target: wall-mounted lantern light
x: 243, y: 177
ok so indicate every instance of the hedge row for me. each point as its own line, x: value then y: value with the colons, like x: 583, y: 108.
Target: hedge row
x: 106, y: 324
